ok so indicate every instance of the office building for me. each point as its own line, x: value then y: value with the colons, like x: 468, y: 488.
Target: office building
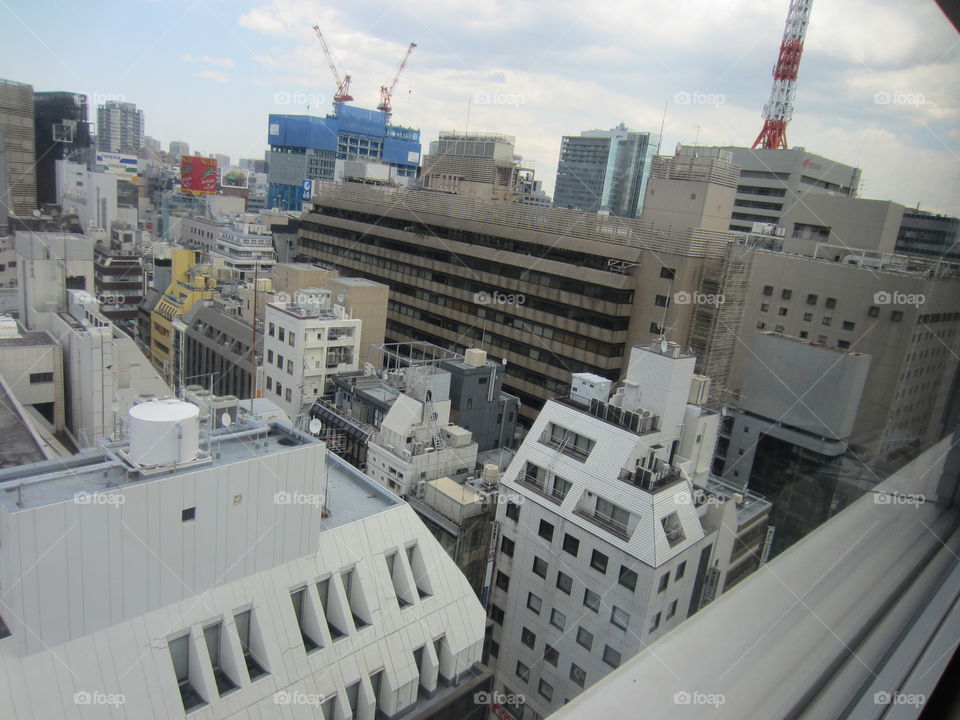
x: 119, y: 127
x: 481, y: 165
x: 240, y: 244
x: 48, y: 265
x: 929, y: 235
x: 17, y: 131
x: 605, y: 171
x: 610, y: 535
x: 61, y: 132
x: 178, y: 149
x: 304, y: 147
x: 119, y: 278
x: 331, y: 599
x: 31, y: 363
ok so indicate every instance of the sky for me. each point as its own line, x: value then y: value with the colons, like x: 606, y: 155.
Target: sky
x: 879, y: 83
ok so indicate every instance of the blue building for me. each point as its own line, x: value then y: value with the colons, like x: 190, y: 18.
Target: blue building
x: 304, y: 147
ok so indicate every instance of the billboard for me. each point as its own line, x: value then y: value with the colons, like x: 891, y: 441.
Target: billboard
x: 198, y: 175
x: 118, y: 163
x: 234, y: 177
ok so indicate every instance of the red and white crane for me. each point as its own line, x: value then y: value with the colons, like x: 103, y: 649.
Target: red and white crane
x: 343, y: 86
x: 386, y: 90
x: 779, y: 110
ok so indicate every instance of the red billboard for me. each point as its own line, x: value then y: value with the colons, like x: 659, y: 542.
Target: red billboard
x: 198, y: 175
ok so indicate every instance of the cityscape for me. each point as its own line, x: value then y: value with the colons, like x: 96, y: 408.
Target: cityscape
x: 485, y: 363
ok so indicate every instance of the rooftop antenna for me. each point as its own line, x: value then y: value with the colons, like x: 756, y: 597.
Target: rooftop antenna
x: 663, y: 121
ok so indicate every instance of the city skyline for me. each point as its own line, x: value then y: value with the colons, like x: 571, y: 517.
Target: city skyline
x: 874, y: 88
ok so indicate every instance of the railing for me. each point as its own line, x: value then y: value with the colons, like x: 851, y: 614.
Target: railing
x: 563, y: 446
x: 538, y: 486
x: 651, y: 480
x: 604, y: 521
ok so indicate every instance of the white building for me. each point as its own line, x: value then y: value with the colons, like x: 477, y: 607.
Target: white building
x: 610, y: 529
x: 92, y: 196
x: 239, y: 243
x: 49, y: 263
x: 304, y: 344
x: 245, y: 573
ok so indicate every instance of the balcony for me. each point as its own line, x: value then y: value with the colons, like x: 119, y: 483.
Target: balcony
x: 539, y: 486
x: 604, y: 521
x: 565, y: 447
x: 653, y: 481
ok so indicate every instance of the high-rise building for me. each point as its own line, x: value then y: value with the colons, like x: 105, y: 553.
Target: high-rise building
x: 330, y: 599
x: 179, y: 148
x: 119, y: 127
x: 304, y: 147
x: 61, y: 132
x: 605, y: 171
x: 612, y: 529
x: 482, y: 165
x: 929, y: 235
x: 17, y: 131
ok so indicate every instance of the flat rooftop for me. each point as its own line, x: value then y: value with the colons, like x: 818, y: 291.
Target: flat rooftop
x: 19, y: 446
x: 753, y: 505
x: 351, y: 495
x: 28, y: 338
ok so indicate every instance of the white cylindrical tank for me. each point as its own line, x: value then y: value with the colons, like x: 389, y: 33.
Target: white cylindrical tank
x: 164, y: 432
x: 491, y: 474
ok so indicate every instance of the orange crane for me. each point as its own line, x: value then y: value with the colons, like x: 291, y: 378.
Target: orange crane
x: 386, y: 91
x: 343, y: 86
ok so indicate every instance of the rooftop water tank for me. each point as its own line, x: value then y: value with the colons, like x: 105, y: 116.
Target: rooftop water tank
x: 164, y: 432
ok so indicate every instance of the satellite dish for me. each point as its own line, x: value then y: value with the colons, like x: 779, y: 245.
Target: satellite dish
x: 315, y: 426
x: 226, y: 420
x: 663, y: 345
x: 36, y: 213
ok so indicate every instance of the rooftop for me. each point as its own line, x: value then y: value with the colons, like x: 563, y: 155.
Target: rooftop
x: 351, y: 495
x: 752, y: 506
x: 19, y: 446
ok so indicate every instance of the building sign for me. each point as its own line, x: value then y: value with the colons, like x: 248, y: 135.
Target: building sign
x: 198, y: 175
x: 235, y: 177
x: 118, y: 163
x: 307, y: 187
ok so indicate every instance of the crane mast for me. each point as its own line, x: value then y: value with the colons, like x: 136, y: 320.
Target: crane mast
x: 778, y: 112
x: 343, y: 85
x: 386, y: 90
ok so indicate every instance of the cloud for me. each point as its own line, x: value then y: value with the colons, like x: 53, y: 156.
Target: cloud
x: 214, y: 75
x: 223, y: 62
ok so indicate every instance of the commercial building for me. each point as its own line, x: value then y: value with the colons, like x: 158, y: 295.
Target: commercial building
x: 932, y: 236
x: 178, y: 149
x: 239, y: 243
x: 305, y: 344
x: 304, y: 147
x: 612, y: 532
x: 119, y: 127
x: 17, y: 135
x: 605, y: 171
x: 119, y: 279
x: 48, y: 265
x: 481, y: 165
x: 330, y: 598
x: 61, y: 132
x: 31, y: 364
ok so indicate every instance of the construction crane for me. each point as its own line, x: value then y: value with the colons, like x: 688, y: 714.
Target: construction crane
x: 779, y: 110
x: 386, y: 91
x: 343, y: 86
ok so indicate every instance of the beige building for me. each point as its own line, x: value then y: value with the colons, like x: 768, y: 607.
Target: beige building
x: 854, y: 223
x: 290, y: 277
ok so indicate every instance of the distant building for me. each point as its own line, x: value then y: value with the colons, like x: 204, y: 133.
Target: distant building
x: 936, y: 237
x: 605, y: 171
x: 240, y: 244
x: 215, y: 348
x: 48, y: 265
x: 17, y: 136
x: 61, y: 133
x: 119, y: 127
x: 304, y: 147
x: 118, y: 278
x: 178, y: 149
x: 481, y: 165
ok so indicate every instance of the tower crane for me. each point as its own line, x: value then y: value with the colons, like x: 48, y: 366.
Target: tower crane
x: 343, y: 86
x: 386, y: 91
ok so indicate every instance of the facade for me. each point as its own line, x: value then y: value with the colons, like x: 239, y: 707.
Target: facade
x: 178, y: 149
x: 478, y: 403
x: 931, y: 236
x: 119, y: 127
x: 305, y: 344
x: 303, y: 147
x: 215, y: 348
x: 61, y: 132
x: 119, y: 278
x: 841, y: 220
x: 481, y: 165
x: 17, y: 131
x: 240, y: 244
x: 48, y: 265
x: 611, y: 534
x: 605, y: 171
x: 31, y: 363
x: 346, y: 610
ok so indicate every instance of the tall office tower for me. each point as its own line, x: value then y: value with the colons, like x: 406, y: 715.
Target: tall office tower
x: 178, y: 148
x: 613, y: 531
x: 119, y: 127
x: 303, y: 147
x: 202, y: 568
x: 16, y: 129
x: 483, y: 165
x: 605, y: 171
x: 61, y: 133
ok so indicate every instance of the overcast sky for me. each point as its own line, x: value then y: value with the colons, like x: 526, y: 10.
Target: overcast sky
x: 879, y: 83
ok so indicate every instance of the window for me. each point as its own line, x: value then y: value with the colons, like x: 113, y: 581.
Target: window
x: 546, y: 531
x: 591, y: 600
x: 786, y: 294
x: 673, y: 530
x: 43, y: 377
x: 628, y: 578
x: 571, y: 544
x: 804, y: 334
x: 558, y: 619
x: 180, y: 656
x: 662, y: 301
x: 822, y: 339
x: 540, y: 567
x: 656, y: 622
x: 280, y: 333
x: 656, y: 328
x: 619, y: 618
x: 843, y: 344
x: 761, y: 325
x: 528, y: 637
x: 778, y: 328
x: 280, y: 361
x: 212, y: 636
x: 298, y: 597
x: 551, y: 655
x: 513, y: 511
x: 668, y: 273
x: 560, y: 487
x: 272, y: 330
x: 598, y: 561
x: 564, y: 582
x: 244, y: 621
x: 577, y: 674
x: 812, y: 299
x: 289, y: 395
x: 664, y: 581
x: 494, y: 648
x: 807, y: 317
x: 768, y: 289
x: 545, y: 689
x: 827, y: 320
x: 523, y: 672
x: 291, y: 340
x: 584, y: 638
x: 764, y: 307
x: 611, y: 657
x: 782, y: 312
x: 874, y: 311
x: 270, y: 356
x: 534, y: 603
x: 188, y: 514
x: 673, y: 610
x: 269, y: 383
x: 896, y: 315
x: 680, y: 570
x: 847, y: 325
x: 496, y: 614
x: 831, y: 303
x: 404, y: 598
x: 289, y: 367
x: 506, y: 546
x: 280, y: 389
x: 503, y: 581
x: 568, y: 442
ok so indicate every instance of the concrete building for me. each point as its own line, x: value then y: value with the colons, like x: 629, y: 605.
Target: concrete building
x: 16, y: 128
x: 605, y: 171
x: 347, y: 606
x: 119, y: 278
x: 98, y: 199
x: 304, y: 345
x: 240, y: 244
x: 856, y: 223
x: 178, y: 149
x: 119, y: 127
x: 289, y: 277
x: 304, y: 148
x: 480, y: 165
x: 367, y: 301
x: 48, y: 265
x: 31, y: 363
x: 611, y: 535
x: 61, y: 132
x: 931, y: 236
